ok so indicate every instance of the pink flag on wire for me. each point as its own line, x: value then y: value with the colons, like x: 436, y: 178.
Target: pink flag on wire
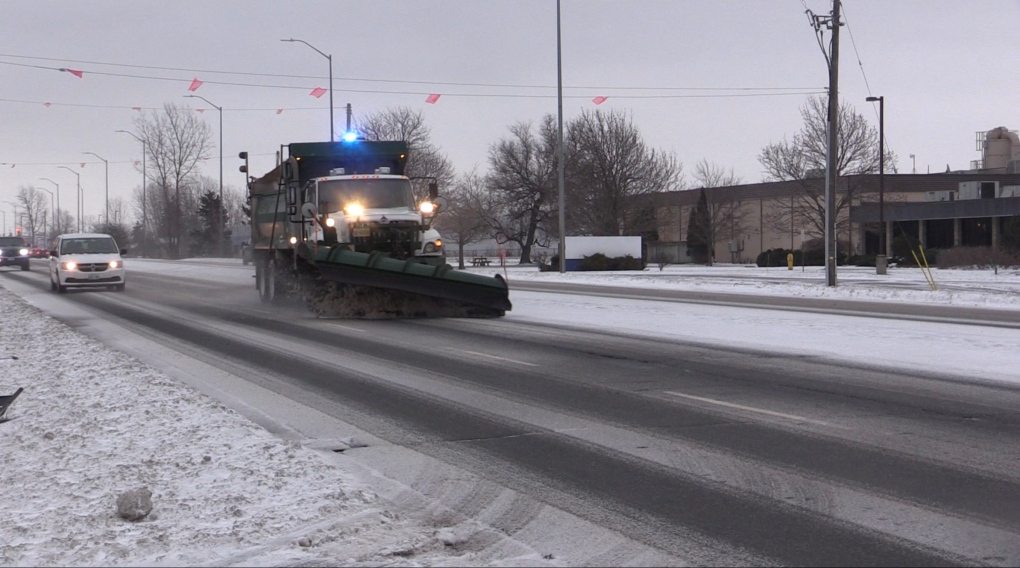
x: 279, y: 110
x: 12, y: 165
x: 195, y: 84
x: 74, y: 72
x: 83, y: 164
x: 599, y: 100
x: 47, y: 104
x: 136, y: 162
x: 432, y: 99
x: 139, y: 109
x: 318, y: 92
x: 199, y: 110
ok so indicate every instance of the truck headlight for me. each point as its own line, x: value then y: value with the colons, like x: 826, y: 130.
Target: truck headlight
x: 23, y: 252
x: 427, y: 207
x: 354, y: 209
x: 433, y: 246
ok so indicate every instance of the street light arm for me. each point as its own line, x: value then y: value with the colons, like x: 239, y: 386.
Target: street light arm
x: 330, y: 57
x: 204, y: 99
x: 132, y: 134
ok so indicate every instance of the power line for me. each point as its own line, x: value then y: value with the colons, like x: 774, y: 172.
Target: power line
x: 354, y: 79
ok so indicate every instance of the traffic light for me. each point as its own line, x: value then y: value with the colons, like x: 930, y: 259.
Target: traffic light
x: 17, y: 230
x: 244, y: 156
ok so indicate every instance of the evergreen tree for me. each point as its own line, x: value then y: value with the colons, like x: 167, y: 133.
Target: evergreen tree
x: 213, y: 216
x: 699, y: 231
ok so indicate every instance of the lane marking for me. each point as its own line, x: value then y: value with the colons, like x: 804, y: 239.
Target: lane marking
x: 486, y: 355
x: 749, y: 408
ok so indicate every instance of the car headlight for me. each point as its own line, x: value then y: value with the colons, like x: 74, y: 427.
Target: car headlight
x: 23, y: 252
x: 116, y: 264
x: 69, y: 265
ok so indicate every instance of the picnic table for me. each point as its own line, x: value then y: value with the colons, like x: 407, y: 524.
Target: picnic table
x: 480, y: 261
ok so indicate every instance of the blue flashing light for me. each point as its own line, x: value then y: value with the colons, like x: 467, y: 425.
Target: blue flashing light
x: 350, y: 136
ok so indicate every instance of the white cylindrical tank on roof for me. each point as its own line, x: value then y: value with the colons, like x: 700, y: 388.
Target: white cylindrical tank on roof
x: 1000, y: 147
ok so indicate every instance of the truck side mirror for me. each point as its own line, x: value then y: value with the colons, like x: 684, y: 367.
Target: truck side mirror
x: 433, y: 190
x: 290, y: 170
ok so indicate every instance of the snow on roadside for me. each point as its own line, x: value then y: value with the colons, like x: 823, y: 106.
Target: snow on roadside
x: 94, y: 423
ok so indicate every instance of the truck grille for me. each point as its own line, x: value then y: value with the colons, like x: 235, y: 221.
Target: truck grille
x: 398, y: 238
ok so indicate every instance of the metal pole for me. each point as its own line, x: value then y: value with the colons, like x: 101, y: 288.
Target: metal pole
x: 219, y: 219
x: 332, y: 136
x: 56, y: 223
x: 78, y: 177
x: 144, y: 177
x: 833, y: 151
x: 562, y: 249
x: 107, y: 217
x: 882, y: 257
x: 332, y: 125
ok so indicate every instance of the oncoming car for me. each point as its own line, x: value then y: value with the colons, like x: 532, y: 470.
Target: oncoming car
x: 14, y: 251
x: 87, y: 260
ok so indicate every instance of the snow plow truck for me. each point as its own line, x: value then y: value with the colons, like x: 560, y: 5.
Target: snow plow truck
x: 335, y: 224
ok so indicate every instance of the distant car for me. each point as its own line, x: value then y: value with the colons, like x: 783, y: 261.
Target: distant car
x: 38, y: 252
x: 14, y: 252
x: 87, y: 260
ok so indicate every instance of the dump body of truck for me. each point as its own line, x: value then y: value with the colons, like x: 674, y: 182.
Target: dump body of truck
x: 337, y: 222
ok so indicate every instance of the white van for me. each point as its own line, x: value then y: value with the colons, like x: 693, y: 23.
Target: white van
x: 87, y: 260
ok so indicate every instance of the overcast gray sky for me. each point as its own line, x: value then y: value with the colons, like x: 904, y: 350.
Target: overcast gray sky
x: 706, y: 79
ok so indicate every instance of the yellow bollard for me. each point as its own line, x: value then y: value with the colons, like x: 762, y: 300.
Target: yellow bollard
x: 789, y: 261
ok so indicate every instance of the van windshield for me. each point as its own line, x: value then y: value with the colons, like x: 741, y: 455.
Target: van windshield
x: 88, y: 246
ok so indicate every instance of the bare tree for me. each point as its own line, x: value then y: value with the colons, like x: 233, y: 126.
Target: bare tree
x: 523, y: 182
x: 721, y: 218
x: 175, y: 142
x: 424, y: 159
x: 464, y: 220
x: 32, y: 211
x: 610, y: 166
x: 708, y: 175
x: 804, y: 158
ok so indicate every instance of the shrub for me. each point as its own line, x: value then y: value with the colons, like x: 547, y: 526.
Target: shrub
x: 980, y: 257
x: 599, y: 261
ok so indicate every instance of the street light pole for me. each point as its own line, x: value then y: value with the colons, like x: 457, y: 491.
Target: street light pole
x: 49, y: 237
x: 145, y: 223
x: 56, y: 220
x: 332, y: 137
x: 219, y: 220
x: 881, y: 258
x: 107, y: 184
x: 79, y: 194
x: 562, y: 248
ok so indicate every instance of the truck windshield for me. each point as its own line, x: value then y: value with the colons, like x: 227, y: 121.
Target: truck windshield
x: 369, y: 193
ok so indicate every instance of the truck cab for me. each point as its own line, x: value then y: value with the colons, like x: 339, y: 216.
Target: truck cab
x: 374, y: 212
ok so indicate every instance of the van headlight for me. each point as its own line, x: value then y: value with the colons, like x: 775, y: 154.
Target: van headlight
x: 69, y: 265
x: 116, y: 264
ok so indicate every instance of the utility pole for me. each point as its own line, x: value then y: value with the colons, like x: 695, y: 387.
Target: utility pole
x: 832, y: 131
x: 833, y: 174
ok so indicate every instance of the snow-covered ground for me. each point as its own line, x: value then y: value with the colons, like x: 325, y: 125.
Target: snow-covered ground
x: 94, y: 423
